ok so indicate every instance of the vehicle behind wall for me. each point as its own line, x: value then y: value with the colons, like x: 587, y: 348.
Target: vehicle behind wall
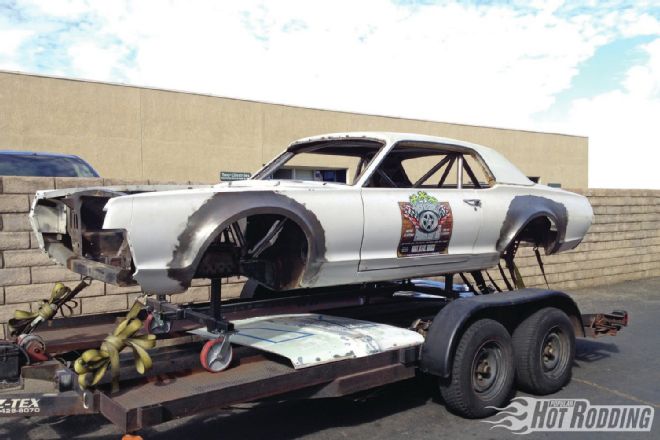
x: 29, y: 163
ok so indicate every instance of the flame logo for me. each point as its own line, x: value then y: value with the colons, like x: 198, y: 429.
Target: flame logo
x: 517, y: 417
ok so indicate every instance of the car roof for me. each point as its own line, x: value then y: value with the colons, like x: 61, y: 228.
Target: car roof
x: 38, y: 153
x: 502, y: 169
x: 25, y: 155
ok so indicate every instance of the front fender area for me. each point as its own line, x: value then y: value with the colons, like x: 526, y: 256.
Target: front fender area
x: 223, y: 209
x: 509, y: 308
x: 522, y: 210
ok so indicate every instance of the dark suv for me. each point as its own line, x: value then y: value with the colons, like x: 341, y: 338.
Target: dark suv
x: 29, y: 163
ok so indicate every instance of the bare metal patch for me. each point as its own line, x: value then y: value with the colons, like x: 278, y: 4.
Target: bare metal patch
x: 222, y: 209
x: 523, y: 209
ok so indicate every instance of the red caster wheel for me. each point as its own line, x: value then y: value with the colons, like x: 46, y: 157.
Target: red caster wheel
x: 34, y: 346
x: 216, y: 354
x: 155, y: 325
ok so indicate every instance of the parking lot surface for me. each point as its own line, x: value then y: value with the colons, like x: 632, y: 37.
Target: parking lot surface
x: 610, y: 370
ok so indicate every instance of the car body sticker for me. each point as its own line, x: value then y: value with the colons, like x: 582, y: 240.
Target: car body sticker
x: 426, y: 225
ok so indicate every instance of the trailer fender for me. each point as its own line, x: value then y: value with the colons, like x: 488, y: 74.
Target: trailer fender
x: 509, y: 308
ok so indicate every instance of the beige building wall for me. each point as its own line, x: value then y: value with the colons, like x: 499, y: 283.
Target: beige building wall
x: 147, y: 134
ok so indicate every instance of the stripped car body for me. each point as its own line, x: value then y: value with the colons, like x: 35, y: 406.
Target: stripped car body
x: 393, y: 222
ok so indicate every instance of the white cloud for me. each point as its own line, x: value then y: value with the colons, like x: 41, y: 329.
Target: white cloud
x: 60, y: 8
x: 493, y: 64
x: 623, y: 128
x: 93, y: 61
x: 11, y: 39
x: 448, y: 62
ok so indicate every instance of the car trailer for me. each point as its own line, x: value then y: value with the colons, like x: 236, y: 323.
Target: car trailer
x: 477, y: 345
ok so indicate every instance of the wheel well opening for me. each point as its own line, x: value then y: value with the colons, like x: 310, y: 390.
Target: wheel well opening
x: 269, y: 248
x: 539, y: 232
x: 278, y: 263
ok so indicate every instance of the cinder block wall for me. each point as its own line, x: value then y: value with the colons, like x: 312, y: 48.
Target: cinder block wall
x: 623, y: 244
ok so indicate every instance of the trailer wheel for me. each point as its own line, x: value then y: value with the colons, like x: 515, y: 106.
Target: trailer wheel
x: 483, y: 371
x: 544, y: 349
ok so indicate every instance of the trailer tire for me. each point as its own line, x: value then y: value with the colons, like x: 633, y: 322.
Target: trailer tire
x: 544, y: 349
x: 482, y: 373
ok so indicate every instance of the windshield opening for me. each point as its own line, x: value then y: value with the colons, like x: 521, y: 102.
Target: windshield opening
x: 339, y: 161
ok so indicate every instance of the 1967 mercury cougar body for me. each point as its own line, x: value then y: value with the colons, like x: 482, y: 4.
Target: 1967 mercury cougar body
x: 412, y: 206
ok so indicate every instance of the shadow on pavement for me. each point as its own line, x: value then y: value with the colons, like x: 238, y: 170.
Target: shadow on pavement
x: 590, y: 350
x: 292, y: 419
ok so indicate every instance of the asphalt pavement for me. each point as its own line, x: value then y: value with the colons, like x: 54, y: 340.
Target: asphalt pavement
x: 610, y: 370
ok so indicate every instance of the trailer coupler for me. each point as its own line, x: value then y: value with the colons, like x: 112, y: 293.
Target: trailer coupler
x: 598, y: 324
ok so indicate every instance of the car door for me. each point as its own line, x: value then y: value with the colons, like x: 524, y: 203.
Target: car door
x: 410, y: 227
x: 407, y: 227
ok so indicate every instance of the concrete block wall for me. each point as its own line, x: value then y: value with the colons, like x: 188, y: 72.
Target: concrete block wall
x: 623, y: 244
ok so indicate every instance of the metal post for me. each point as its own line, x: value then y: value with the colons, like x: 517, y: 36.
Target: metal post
x: 216, y: 298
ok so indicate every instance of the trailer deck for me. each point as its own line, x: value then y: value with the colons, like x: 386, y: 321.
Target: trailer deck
x: 177, y: 385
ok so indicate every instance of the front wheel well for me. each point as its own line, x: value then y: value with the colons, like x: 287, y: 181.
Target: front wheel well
x: 269, y: 248
x: 281, y: 264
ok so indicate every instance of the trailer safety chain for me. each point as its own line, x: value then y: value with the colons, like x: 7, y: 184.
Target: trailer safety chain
x: 61, y: 298
x: 92, y: 364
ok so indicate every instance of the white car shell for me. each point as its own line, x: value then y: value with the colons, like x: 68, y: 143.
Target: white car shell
x: 354, y: 233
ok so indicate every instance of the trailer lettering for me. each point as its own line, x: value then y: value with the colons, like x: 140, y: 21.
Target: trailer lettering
x: 19, y: 406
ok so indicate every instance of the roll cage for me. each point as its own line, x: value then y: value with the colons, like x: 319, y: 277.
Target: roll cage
x: 380, y: 163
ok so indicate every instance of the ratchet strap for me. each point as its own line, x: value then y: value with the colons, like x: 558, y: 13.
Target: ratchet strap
x: 468, y: 284
x: 506, y: 280
x: 481, y: 283
x: 515, y: 274
x: 92, y: 364
x: 61, y: 297
x: 540, y: 261
x: 493, y: 281
x: 509, y: 257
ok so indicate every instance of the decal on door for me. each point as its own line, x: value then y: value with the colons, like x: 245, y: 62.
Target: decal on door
x: 426, y: 226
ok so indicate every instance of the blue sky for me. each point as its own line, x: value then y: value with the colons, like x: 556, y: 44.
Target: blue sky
x: 579, y: 67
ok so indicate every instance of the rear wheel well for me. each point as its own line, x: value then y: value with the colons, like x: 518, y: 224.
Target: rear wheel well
x: 539, y: 232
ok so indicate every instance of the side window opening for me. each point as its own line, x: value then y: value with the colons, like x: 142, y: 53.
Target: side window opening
x: 474, y: 174
x: 423, y: 167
